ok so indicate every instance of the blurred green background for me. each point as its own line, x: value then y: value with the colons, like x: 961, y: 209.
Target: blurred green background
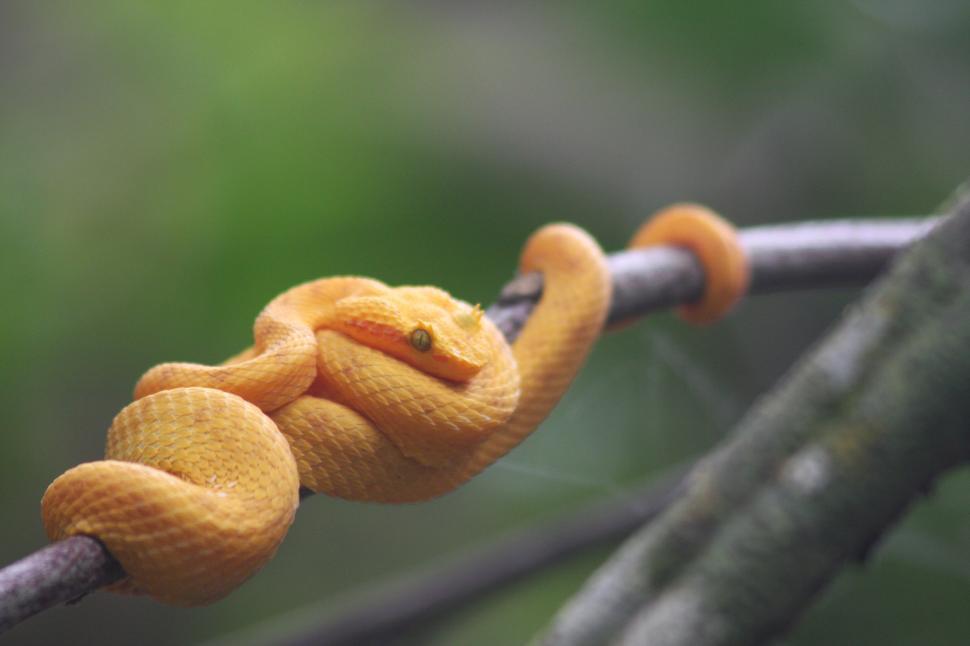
x: 167, y: 168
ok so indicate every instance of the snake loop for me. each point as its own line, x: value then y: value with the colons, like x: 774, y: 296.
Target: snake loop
x: 714, y: 241
x: 196, y: 492
x: 352, y: 388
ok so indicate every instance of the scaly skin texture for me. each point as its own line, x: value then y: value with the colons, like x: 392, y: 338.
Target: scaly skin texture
x: 347, y: 451
x: 352, y: 388
x: 197, y: 491
x: 714, y: 241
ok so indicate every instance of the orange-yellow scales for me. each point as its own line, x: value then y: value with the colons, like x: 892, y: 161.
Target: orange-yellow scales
x: 367, y: 392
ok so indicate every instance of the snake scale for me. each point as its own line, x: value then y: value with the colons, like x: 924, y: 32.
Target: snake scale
x: 353, y: 389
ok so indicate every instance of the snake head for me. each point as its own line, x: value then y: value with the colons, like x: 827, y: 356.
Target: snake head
x: 422, y: 326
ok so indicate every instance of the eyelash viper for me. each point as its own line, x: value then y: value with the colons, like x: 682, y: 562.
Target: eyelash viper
x: 354, y: 389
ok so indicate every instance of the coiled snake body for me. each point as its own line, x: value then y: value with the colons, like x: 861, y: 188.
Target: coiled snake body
x: 353, y: 389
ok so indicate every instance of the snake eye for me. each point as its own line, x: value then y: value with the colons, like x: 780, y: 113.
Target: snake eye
x: 421, y: 340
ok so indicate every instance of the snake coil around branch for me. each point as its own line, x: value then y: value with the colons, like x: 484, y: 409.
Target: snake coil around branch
x: 781, y: 257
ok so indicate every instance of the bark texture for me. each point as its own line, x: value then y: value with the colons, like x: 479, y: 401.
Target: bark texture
x: 810, y: 478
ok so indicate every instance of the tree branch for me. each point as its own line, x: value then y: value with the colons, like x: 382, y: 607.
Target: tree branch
x: 811, y: 477
x: 56, y: 574
x: 782, y: 257
x: 394, y: 608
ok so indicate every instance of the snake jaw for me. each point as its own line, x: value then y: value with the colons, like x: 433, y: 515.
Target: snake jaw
x: 455, y: 348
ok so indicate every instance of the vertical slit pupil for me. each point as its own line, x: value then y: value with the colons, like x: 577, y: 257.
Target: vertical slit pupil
x: 421, y: 340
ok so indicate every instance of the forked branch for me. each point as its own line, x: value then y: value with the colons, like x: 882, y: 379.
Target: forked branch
x: 810, y: 478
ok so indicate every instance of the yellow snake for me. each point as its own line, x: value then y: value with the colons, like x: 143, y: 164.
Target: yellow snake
x: 354, y: 389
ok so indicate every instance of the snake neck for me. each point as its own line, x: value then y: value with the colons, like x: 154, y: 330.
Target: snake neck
x: 560, y: 333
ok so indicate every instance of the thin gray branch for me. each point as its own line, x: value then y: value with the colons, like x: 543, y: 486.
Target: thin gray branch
x: 811, y: 477
x: 394, y: 608
x: 56, y: 574
x: 782, y: 257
